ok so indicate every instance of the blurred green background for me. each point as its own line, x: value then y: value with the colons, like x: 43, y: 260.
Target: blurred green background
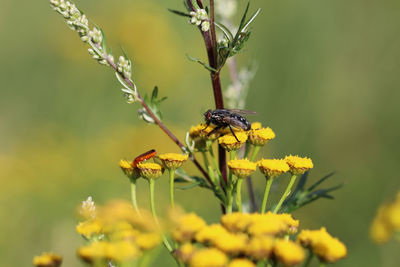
x: 327, y: 84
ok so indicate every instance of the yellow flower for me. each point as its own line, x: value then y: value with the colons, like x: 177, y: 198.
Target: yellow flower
x: 173, y: 160
x: 272, y: 224
x: 380, y: 232
x: 260, y: 247
x: 260, y: 137
x: 127, y: 235
x: 288, y: 252
x: 229, y: 142
x: 47, y: 260
x: 187, y: 227
x: 326, y: 247
x: 147, y: 241
x: 299, y: 165
x: 128, y: 168
x: 236, y: 222
x: 256, y: 125
x: 231, y: 243
x: 242, y: 167
x: 241, y: 263
x: 202, y: 131
x: 90, y: 228
x: 122, y: 251
x: 185, y: 252
x: 150, y: 170
x: 208, y: 257
x: 273, y: 168
x: 210, y: 233
x: 94, y: 252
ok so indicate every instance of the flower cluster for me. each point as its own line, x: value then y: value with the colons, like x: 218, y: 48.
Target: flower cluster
x: 47, y: 260
x: 200, y: 17
x: 242, y: 239
x: 117, y: 234
x: 386, y: 222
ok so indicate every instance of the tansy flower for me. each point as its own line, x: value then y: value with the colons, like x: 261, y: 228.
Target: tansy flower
x: 272, y: 168
x: 256, y: 125
x: 260, y: 137
x: 90, y: 228
x: 288, y: 252
x: 47, y: 260
x: 173, y: 160
x: 272, y: 224
x: 127, y: 235
x: 187, y: 227
x: 94, y: 252
x: 127, y: 167
x: 147, y: 241
x: 208, y: 257
x: 229, y: 142
x: 242, y: 167
x: 150, y: 170
x: 241, y: 263
x: 210, y: 233
x: 326, y: 247
x: 236, y: 221
x: 202, y: 131
x: 232, y: 244
x: 185, y: 252
x: 298, y: 165
x: 122, y: 251
x: 260, y: 247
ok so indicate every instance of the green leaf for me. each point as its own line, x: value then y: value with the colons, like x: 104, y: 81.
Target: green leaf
x: 154, y: 94
x: 251, y: 19
x: 201, y: 63
x: 225, y: 30
x: 103, y: 41
x: 320, y: 181
x: 179, y: 13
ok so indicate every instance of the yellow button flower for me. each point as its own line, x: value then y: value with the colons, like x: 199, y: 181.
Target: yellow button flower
x: 150, y: 170
x: 273, y: 168
x: 47, y: 260
x: 236, y: 221
x: 173, y: 160
x: 90, y: 228
x: 94, y: 252
x: 242, y: 167
x: 185, y: 252
x: 202, y: 131
x: 260, y: 247
x: 122, y: 251
x: 147, y: 241
x: 210, y: 233
x: 241, y: 263
x: 187, y: 227
x: 256, y: 125
x: 232, y: 244
x: 128, y: 168
x: 288, y: 253
x: 260, y: 137
x: 229, y: 142
x: 209, y: 257
x: 298, y: 165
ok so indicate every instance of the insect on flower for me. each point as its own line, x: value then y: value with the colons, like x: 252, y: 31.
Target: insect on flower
x: 223, y: 118
x: 145, y: 156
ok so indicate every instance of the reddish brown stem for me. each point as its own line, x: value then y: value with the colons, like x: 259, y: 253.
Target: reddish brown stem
x: 155, y: 118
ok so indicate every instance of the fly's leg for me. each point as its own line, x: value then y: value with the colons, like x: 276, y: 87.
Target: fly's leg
x: 233, y: 133
x: 214, y: 130
x: 208, y: 124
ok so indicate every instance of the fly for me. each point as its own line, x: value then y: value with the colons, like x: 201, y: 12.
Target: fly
x: 145, y: 156
x: 223, y: 118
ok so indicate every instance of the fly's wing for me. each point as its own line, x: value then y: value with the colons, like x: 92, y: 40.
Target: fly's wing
x: 242, y: 111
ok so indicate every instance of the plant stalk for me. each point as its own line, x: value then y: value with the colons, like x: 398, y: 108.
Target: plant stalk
x: 286, y: 193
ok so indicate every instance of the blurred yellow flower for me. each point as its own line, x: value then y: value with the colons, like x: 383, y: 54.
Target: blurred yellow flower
x: 147, y: 241
x: 187, y: 226
x: 236, y: 221
x: 90, y: 228
x: 121, y: 251
x: 288, y: 252
x: 242, y: 167
x: 173, y: 160
x: 273, y: 168
x: 260, y: 137
x: 241, y: 263
x: 299, y: 165
x: 185, y: 252
x: 232, y: 244
x: 47, y: 260
x: 260, y: 247
x: 256, y: 125
x: 208, y: 257
x: 210, y: 233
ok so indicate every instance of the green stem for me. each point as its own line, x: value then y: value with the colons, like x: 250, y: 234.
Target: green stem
x: 239, y: 193
x: 229, y: 199
x: 286, y: 193
x: 247, y: 150
x: 171, y: 187
x: 153, y: 211
x: 255, y: 152
x: 208, y: 167
x: 309, y: 258
x: 195, y: 5
x: 266, y: 193
x: 133, y: 195
x: 214, y: 161
x: 322, y: 264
